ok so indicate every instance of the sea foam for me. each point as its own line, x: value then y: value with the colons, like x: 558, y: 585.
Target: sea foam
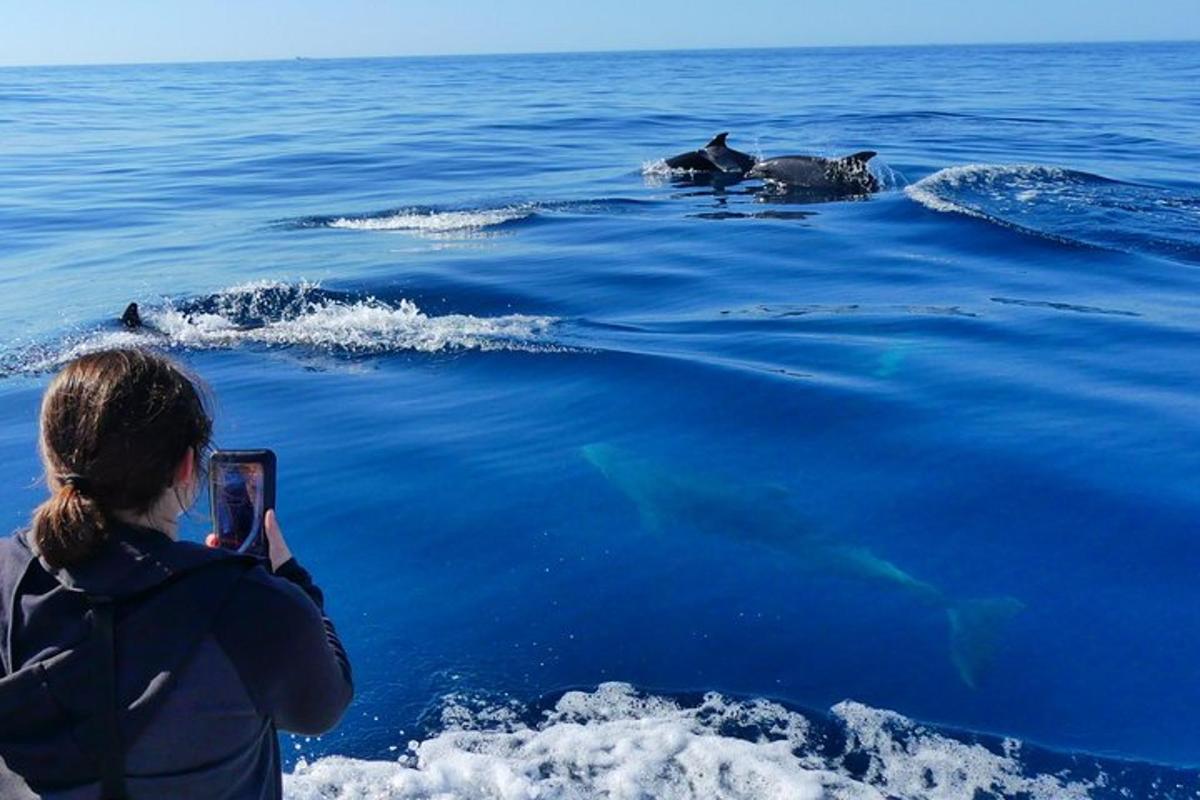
x: 353, y: 325
x: 619, y: 744
x: 963, y: 189
x: 299, y: 316
x: 433, y: 222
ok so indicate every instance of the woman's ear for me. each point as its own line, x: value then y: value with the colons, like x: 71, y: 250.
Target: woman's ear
x: 185, y: 471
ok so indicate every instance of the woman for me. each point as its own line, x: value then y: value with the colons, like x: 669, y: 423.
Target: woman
x: 159, y: 668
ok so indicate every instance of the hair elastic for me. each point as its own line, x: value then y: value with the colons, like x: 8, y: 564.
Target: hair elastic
x: 76, y: 481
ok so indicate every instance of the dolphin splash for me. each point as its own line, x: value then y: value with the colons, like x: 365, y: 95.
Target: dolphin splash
x: 765, y: 515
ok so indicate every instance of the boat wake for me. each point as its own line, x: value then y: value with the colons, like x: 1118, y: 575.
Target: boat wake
x: 300, y: 316
x: 1070, y: 207
x: 616, y: 742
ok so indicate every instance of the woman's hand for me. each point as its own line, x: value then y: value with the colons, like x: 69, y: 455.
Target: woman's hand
x: 277, y: 548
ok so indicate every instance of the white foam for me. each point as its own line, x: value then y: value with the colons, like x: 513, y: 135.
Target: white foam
x: 305, y: 318
x: 943, y: 190
x: 929, y: 190
x: 657, y: 173
x: 617, y: 744
x: 436, y: 222
x: 1068, y: 207
x: 365, y: 326
x: 659, y: 168
x: 907, y: 760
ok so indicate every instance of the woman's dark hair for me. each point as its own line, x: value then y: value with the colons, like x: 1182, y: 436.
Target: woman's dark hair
x: 115, y: 425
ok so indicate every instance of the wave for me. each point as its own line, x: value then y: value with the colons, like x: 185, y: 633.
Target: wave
x: 303, y: 316
x: 440, y: 222
x: 424, y: 220
x: 825, y: 309
x: 861, y: 117
x: 435, y: 222
x: 618, y: 742
x: 1069, y: 207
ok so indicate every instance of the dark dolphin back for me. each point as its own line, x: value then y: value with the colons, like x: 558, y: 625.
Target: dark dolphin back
x: 849, y: 174
x: 793, y: 170
x: 726, y: 158
x: 716, y: 156
x: 729, y: 160
x: 696, y: 160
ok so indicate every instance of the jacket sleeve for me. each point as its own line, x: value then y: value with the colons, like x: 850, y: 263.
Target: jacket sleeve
x: 286, y: 650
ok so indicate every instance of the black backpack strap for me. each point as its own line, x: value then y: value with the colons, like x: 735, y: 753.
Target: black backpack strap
x: 15, y: 559
x: 111, y: 747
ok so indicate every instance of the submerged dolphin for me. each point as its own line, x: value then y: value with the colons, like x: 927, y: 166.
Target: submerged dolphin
x: 848, y: 174
x: 766, y: 516
x: 715, y: 156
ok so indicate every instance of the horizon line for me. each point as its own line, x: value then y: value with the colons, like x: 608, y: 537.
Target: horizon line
x: 618, y: 50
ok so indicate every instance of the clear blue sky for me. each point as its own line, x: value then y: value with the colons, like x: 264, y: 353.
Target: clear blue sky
x: 106, y: 31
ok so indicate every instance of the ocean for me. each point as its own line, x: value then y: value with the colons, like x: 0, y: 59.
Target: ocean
x: 621, y: 484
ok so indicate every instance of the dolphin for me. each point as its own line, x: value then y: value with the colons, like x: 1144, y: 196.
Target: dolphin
x: 766, y: 516
x: 848, y: 175
x: 715, y: 156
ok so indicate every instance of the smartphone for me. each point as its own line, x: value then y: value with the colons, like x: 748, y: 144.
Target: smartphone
x: 241, y: 489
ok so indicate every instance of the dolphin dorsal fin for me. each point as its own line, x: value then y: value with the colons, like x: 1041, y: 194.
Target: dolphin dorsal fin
x: 719, y: 140
x: 131, y: 318
x: 861, y: 157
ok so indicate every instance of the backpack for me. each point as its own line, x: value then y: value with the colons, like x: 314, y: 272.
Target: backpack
x: 64, y: 720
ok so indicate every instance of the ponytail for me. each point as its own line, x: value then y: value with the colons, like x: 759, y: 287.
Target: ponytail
x: 114, y: 426
x: 69, y: 526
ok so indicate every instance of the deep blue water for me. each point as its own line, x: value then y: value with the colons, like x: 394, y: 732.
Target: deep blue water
x: 427, y: 283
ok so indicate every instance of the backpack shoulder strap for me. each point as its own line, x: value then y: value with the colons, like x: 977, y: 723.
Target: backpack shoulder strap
x: 15, y: 558
x: 111, y: 745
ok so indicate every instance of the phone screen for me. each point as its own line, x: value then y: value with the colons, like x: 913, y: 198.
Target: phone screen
x: 242, y: 489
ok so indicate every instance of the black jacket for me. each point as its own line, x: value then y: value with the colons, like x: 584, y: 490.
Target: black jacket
x: 208, y: 728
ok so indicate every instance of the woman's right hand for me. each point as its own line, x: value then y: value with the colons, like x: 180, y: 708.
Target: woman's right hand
x: 277, y: 548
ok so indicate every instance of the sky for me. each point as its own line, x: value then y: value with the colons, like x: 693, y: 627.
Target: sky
x: 130, y: 31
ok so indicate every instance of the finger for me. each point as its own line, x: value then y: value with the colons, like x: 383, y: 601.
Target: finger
x: 274, y: 533
x: 212, y: 540
x: 277, y: 549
